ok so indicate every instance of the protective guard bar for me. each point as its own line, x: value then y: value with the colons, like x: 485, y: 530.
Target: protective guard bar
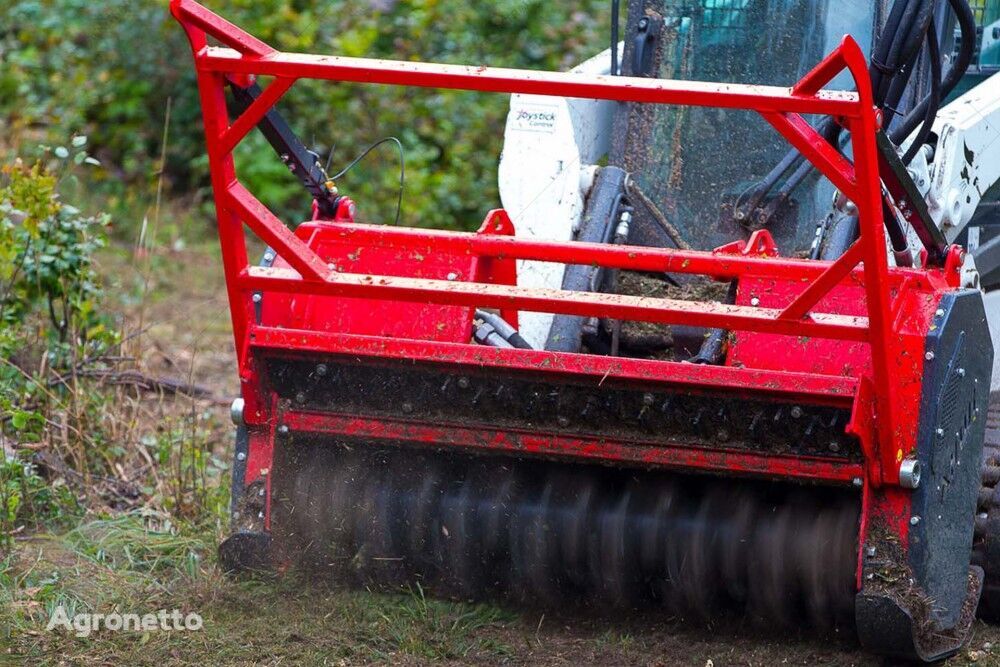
x: 247, y: 57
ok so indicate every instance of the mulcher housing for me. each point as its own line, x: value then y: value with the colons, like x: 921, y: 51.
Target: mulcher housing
x: 848, y: 374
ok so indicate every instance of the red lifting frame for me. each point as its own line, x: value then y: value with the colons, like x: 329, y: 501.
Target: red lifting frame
x: 243, y: 57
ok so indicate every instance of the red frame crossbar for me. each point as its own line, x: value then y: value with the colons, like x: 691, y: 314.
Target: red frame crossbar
x: 243, y: 57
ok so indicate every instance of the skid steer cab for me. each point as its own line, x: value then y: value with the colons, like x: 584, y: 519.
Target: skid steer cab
x: 723, y: 429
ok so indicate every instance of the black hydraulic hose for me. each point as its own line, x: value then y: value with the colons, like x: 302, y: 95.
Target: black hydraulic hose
x: 898, y: 44
x: 934, y: 103
x: 880, y: 53
x: 891, y: 103
x: 615, y: 11
x: 967, y: 25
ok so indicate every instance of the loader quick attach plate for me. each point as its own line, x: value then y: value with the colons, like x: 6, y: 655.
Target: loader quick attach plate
x: 644, y: 416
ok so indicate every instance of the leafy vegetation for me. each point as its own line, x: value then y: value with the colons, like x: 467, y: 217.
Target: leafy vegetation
x: 109, y: 70
x: 74, y: 429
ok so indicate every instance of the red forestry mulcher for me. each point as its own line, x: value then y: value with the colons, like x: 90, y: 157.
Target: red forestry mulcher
x: 805, y: 444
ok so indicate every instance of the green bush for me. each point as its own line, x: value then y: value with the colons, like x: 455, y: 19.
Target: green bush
x: 50, y: 323
x: 107, y: 69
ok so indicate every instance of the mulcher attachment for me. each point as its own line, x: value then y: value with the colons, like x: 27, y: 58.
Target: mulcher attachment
x: 821, y: 466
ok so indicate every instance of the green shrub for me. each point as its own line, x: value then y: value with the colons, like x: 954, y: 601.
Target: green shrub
x: 50, y: 323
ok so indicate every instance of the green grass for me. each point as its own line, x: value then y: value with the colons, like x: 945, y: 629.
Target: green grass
x: 137, y: 564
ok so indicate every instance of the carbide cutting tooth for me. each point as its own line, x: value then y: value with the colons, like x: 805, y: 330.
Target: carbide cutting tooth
x: 755, y: 424
x: 811, y: 427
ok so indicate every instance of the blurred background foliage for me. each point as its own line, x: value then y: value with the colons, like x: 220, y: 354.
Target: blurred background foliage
x: 109, y: 69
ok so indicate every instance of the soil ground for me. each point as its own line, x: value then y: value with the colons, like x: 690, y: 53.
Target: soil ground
x: 131, y: 564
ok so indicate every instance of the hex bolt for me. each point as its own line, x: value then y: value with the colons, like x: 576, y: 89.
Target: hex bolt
x: 452, y: 276
x: 269, y: 257
x: 236, y: 412
x: 871, y: 552
x: 407, y: 408
x: 283, y: 429
x: 939, y: 312
x: 939, y: 432
x: 300, y: 398
x: 834, y: 447
x: 241, y: 456
x: 648, y: 400
x: 321, y: 370
x: 463, y: 383
x: 258, y: 297
x: 796, y: 412
x: 563, y: 421
x: 961, y: 372
x: 929, y: 356
x: 858, y: 482
x: 909, y: 473
x: 914, y: 520
x: 755, y: 302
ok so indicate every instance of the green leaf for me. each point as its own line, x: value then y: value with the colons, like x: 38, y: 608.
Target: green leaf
x: 20, y: 419
x: 62, y: 152
x: 79, y: 141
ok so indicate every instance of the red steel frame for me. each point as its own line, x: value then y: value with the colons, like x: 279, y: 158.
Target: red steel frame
x: 242, y: 58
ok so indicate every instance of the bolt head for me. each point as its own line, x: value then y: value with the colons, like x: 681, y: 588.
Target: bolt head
x: 407, y: 408
x: 796, y: 412
x: 283, y: 429
x: 563, y: 421
x: 257, y: 298
x: 321, y: 370
x: 453, y: 276
x: 909, y: 473
x: 755, y: 302
x: 914, y: 520
x: 939, y: 312
x: 857, y: 482
x: 929, y: 356
x: 236, y: 411
x: 261, y: 493
x: 241, y: 456
x: 300, y: 398
x: 463, y: 383
x: 871, y: 552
